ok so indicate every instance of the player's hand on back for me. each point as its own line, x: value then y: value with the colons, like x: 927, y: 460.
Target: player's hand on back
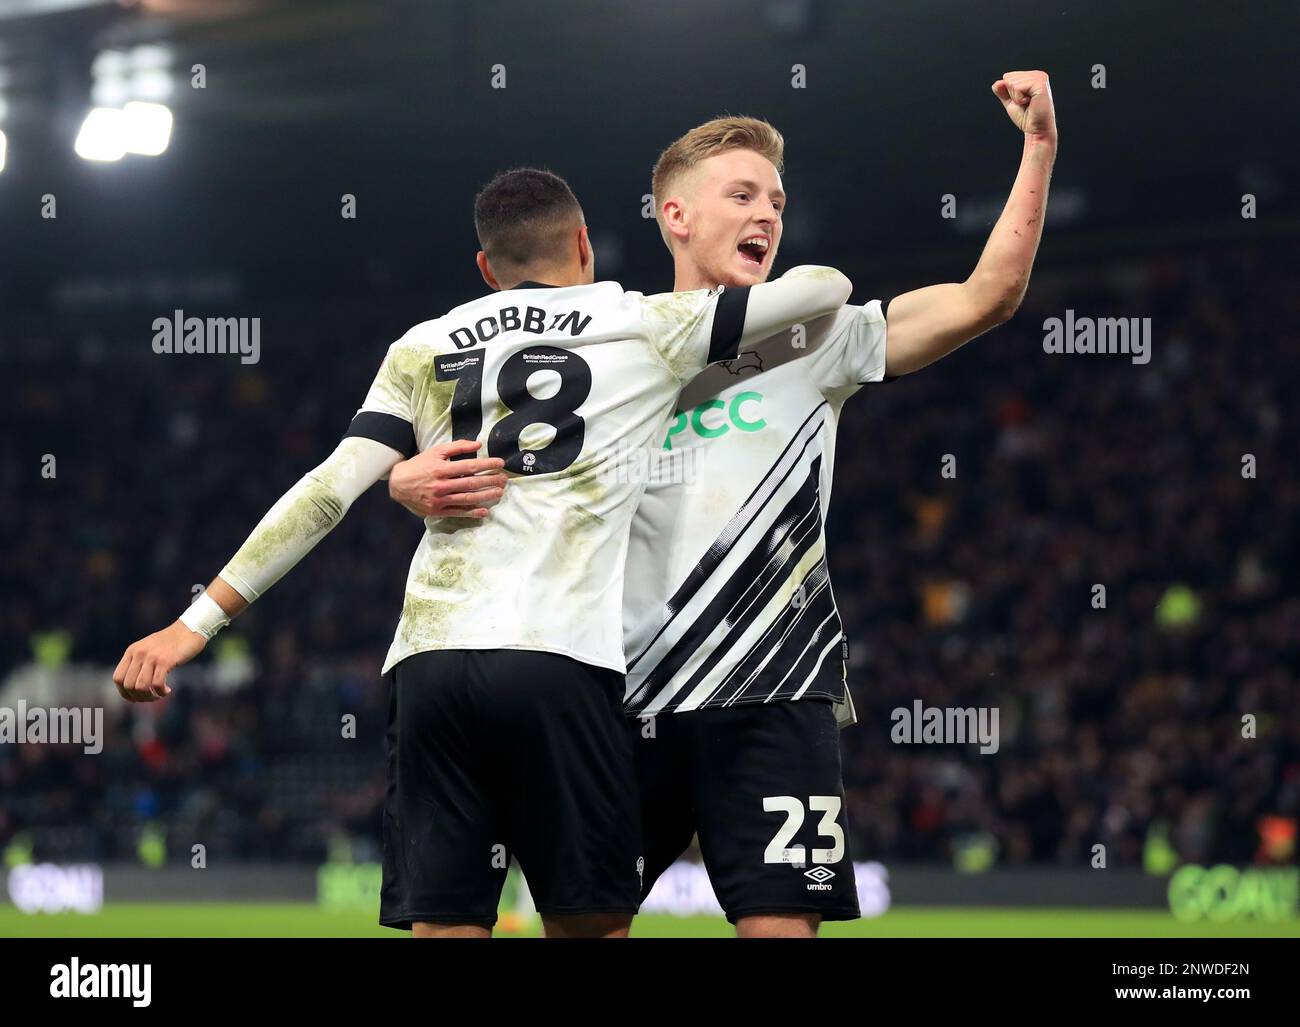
x: 433, y: 484
x: 141, y: 675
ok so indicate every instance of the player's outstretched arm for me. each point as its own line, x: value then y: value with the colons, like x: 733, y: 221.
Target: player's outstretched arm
x: 291, y: 528
x: 929, y: 323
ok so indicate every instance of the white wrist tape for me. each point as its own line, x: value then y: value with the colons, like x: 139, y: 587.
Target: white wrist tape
x: 205, y: 617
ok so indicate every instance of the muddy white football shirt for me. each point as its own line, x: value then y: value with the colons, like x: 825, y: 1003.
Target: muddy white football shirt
x: 728, y: 595
x: 570, y: 386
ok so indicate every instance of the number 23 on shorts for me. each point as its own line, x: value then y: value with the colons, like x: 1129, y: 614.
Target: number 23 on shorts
x: 779, y: 849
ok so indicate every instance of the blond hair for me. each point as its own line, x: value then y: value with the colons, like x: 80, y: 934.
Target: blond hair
x: 713, y: 137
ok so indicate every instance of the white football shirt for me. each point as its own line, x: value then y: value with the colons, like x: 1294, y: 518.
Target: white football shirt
x: 728, y: 596
x: 570, y: 386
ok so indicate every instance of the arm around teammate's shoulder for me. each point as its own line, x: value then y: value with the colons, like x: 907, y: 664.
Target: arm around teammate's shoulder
x: 802, y: 294
x: 692, y: 329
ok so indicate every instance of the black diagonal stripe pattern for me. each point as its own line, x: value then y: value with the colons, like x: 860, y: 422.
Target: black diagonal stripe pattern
x: 821, y: 658
x: 748, y: 588
x: 801, y: 645
x: 782, y: 468
x: 752, y: 603
x: 728, y: 323
x: 783, y: 640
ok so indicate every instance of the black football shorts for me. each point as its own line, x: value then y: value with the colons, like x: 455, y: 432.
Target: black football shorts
x: 499, y: 753
x: 761, y: 784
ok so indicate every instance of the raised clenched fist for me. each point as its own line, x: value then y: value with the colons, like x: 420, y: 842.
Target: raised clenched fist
x: 1027, y: 96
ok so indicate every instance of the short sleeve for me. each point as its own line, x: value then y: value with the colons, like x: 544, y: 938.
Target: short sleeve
x: 388, y: 413
x: 847, y: 349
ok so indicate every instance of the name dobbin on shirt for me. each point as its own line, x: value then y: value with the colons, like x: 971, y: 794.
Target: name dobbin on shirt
x: 103, y: 980
x: 509, y: 319
x: 181, y: 334
x: 1102, y: 335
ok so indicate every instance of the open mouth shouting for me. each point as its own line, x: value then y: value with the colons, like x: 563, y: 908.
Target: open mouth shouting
x: 753, y: 251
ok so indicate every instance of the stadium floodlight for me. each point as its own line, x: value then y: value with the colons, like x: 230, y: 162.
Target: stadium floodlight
x: 4, y: 145
x: 102, y: 136
x: 109, y: 91
x: 110, y: 71
x: 150, y: 55
x: 147, y: 127
x: 151, y: 77
x: 110, y: 64
x: 151, y: 84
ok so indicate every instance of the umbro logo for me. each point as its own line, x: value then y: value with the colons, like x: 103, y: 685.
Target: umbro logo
x: 819, y: 875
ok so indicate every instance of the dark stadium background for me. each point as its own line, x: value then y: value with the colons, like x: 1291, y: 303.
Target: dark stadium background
x: 1120, y: 726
